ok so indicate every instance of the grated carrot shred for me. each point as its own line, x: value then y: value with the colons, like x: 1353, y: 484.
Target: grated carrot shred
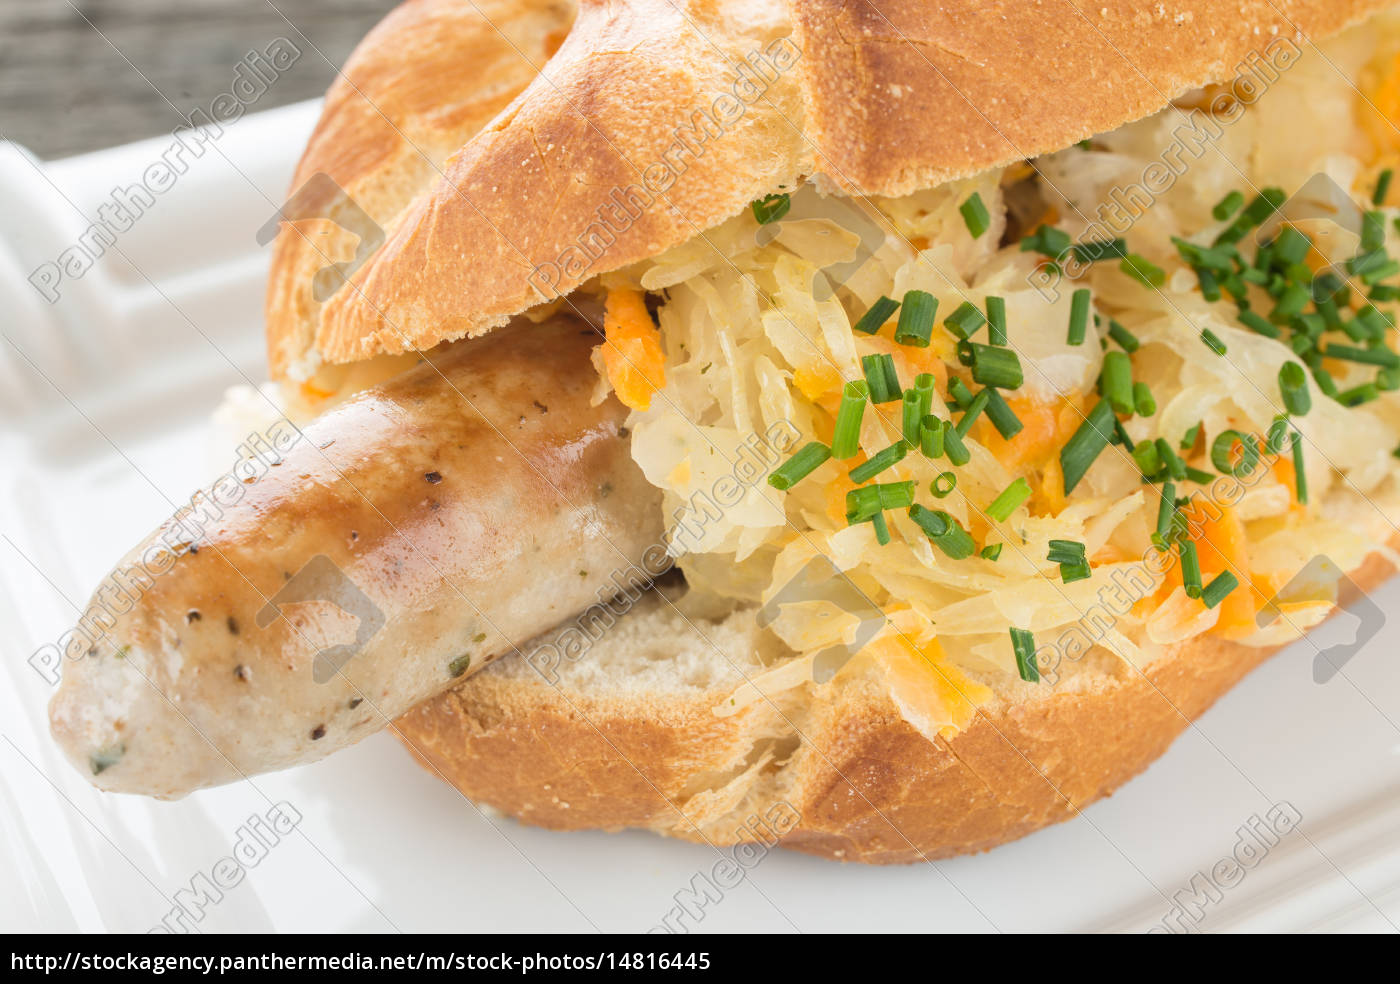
x: 632, y: 356
x: 817, y: 379
x: 1222, y: 545
x: 1379, y: 122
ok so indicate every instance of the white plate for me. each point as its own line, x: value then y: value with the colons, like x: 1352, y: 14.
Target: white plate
x: 106, y: 398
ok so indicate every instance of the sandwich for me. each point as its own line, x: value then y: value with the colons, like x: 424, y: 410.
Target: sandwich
x: 884, y: 425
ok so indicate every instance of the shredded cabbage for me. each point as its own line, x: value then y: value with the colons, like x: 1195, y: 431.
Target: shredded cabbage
x: 757, y: 329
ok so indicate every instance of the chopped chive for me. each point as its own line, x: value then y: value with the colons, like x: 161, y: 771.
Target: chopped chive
x: 1213, y: 341
x: 1293, y: 383
x: 1227, y: 206
x: 882, y: 528
x: 953, y: 445
x: 1009, y: 500
x: 1079, y: 316
x: 1364, y: 263
x: 1311, y: 325
x: 1383, y: 357
x: 996, y: 320
x: 944, y: 531
x: 1385, y: 271
x: 1126, y: 340
x: 1276, y: 441
x: 799, y: 466
x: 1356, y: 329
x: 1101, y: 249
x: 1327, y: 309
x: 862, y: 504
x: 1299, y: 273
x: 1210, y: 286
x: 1147, y: 459
x: 1087, y: 443
x: 1382, y: 187
x: 1166, y: 514
x: 896, y: 495
x: 1116, y: 381
x: 1066, y: 552
x: 1120, y: 436
x: 1069, y: 573
x: 1263, y: 261
x: 931, y: 437
x: 1258, y: 324
x: 1372, y: 231
x: 963, y: 350
x: 866, y: 501
x: 1198, y: 476
x: 915, y: 325
x: 958, y: 390
x: 995, y: 366
x: 1023, y: 646
x: 1375, y: 323
x: 1220, y: 259
x: 1220, y: 586
x: 924, y: 384
x: 1188, y: 440
x: 1265, y: 204
x: 846, y: 439
x: 1001, y: 415
x: 1048, y: 240
x: 913, y: 414
x: 1176, y: 468
x: 1144, y: 404
x: 878, y: 462
x: 1323, y: 378
x: 943, y: 485
x: 1298, y: 471
x: 871, y: 321
x: 1291, y: 246
x: 965, y: 321
x: 1357, y: 395
x: 1388, y: 380
x: 1290, y: 304
x: 771, y: 208
x: 975, y: 215
x: 1190, y: 568
x: 881, y: 377
x: 1223, y: 448
x: 1142, y: 270
x: 991, y: 551
x: 973, y: 411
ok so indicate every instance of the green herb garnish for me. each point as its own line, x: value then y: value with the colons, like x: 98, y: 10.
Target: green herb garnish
x: 799, y: 466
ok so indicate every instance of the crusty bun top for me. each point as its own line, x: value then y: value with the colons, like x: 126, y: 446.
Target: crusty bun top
x: 617, y: 130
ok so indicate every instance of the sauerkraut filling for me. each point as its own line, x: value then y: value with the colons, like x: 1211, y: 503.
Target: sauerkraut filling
x: 1024, y: 429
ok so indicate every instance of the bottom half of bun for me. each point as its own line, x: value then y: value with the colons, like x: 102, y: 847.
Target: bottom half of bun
x: 626, y: 736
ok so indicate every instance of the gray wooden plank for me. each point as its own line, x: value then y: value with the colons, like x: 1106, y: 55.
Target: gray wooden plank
x: 95, y: 73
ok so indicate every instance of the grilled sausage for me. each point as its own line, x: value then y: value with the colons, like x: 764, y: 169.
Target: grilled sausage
x: 455, y: 511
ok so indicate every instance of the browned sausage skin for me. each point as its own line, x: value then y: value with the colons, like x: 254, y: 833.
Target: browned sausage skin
x: 455, y: 510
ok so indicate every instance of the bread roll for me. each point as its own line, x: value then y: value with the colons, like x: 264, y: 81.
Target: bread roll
x: 867, y: 100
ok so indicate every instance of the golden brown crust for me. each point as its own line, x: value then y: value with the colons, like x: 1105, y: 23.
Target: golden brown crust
x: 867, y: 786
x: 418, y: 87
x: 524, y: 207
x: 906, y: 94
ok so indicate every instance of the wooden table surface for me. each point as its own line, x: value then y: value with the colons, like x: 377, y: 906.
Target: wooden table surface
x: 87, y: 74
